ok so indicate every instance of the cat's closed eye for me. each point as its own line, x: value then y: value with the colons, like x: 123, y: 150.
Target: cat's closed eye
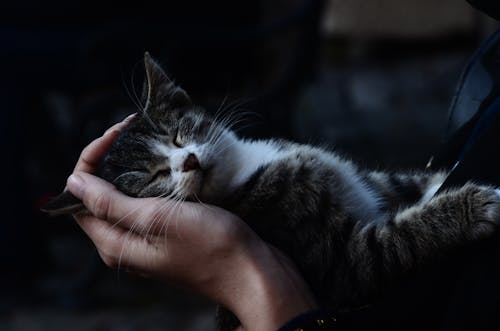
x: 178, y: 142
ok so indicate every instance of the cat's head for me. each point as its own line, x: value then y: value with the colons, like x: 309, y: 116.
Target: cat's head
x: 171, y: 149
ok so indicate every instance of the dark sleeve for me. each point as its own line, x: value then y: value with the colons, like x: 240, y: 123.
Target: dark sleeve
x: 316, y: 320
x: 328, y: 320
x: 489, y: 7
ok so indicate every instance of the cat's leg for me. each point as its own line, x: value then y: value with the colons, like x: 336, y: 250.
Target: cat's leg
x: 403, y: 189
x: 414, y: 236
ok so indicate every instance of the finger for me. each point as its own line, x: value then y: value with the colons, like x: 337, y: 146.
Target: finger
x: 153, y: 216
x: 105, y: 202
x: 121, y: 125
x: 118, y: 247
x: 92, y: 154
x: 101, y: 232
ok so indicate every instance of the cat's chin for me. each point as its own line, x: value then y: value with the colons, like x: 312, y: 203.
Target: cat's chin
x: 205, y: 186
x: 210, y: 187
x: 193, y: 185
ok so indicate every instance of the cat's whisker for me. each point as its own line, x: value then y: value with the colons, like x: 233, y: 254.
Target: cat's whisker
x: 237, y: 116
x: 219, y: 149
x: 227, y: 124
x: 169, y: 202
x: 172, y: 215
x: 131, y: 231
x: 231, y: 125
x: 216, y: 126
x: 214, y: 132
x: 242, y: 127
x: 148, y: 119
x: 202, y: 203
x: 226, y: 119
x: 221, y: 128
x: 129, y: 94
x: 234, y: 112
x: 217, y: 119
x: 117, y: 223
x: 235, y: 105
x: 134, y: 230
x: 148, y: 232
x: 133, y: 86
x: 166, y: 215
x: 175, y: 211
x: 163, y: 215
x: 214, y: 139
x: 220, y: 110
x: 125, y: 245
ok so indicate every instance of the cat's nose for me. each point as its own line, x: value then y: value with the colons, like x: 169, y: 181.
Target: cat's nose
x: 191, y: 163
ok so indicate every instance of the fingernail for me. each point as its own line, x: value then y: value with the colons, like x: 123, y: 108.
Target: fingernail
x: 108, y: 131
x: 75, y: 185
x: 129, y: 117
x: 116, y: 128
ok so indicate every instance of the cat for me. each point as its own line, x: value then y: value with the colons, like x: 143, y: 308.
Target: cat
x: 350, y: 231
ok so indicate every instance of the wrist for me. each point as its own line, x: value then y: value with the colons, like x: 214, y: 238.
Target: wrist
x: 272, y: 292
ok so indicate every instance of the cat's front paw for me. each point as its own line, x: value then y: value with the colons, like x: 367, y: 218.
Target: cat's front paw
x: 487, y: 216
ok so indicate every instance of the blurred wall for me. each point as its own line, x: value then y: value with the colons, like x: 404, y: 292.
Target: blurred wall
x: 398, y: 18
x: 372, y: 78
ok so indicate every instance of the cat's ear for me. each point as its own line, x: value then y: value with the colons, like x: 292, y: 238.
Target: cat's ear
x: 63, y: 204
x: 160, y: 90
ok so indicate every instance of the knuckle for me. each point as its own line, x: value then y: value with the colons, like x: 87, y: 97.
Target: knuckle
x: 231, y: 233
x: 153, y: 217
x: 87, y: 152
x: 111, y: 251
x: 155, y: 221
x: 101, y: 206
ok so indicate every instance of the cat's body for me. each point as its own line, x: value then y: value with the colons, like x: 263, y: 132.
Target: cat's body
x: 350, y: 231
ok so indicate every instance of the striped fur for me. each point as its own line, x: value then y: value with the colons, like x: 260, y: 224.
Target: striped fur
x: 350, y: 231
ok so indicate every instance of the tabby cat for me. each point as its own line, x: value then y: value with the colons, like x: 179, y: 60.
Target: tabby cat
x: 348, y: 230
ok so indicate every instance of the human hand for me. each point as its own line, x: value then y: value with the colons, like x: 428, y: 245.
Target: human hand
x: 203, y: 248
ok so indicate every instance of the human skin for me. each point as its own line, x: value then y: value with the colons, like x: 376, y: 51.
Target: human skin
x: 202, y: 248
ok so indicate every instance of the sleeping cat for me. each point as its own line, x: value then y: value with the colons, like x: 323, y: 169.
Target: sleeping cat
x: 350, y: 231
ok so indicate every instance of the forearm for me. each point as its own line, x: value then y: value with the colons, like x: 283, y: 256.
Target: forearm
x: 270, y: 291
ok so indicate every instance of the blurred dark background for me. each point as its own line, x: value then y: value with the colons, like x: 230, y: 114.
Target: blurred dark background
x: 372, y: 79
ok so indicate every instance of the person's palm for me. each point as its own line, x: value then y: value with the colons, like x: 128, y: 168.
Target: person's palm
x: 201, y: 247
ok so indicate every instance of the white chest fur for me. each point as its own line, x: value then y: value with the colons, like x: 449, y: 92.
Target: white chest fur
x: 251, y: 155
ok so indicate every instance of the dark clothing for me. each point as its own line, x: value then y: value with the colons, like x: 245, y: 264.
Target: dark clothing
x: 490, y: 7
x: 462, y: 293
